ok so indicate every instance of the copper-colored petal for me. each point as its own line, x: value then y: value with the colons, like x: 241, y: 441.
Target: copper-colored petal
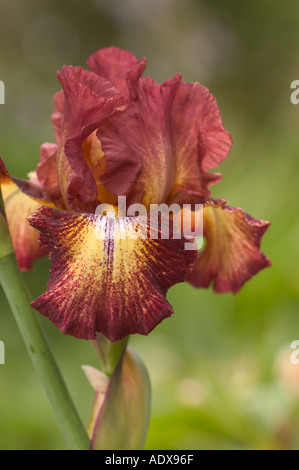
x: 46, y: 170
x: 31, y: 188
x: 199, y: 140
x: 88, y: 100
x: 137, y: 143
x: 24, y: 238
x: 120, y: 67
x: 232, y: 253
x: 58, y: 115
x: 164, y: 142
x: 105, y: 277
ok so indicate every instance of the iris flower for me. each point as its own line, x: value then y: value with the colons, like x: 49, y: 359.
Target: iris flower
x: 121, y: 134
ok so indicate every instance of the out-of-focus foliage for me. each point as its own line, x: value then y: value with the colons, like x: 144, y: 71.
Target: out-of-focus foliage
x: 220, y: 367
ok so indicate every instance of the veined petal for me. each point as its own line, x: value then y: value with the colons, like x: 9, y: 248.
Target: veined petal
x: 46, y: 170
x: 164, y: 142
x: 199, y: 140
x: 58, y: 115
x: 24, y: 238
x: 232, y: 254
x: 105, y: 276
x: 120, y: 67
x: 31, y: 187
x: 88, y: 100
x: 137, y: 143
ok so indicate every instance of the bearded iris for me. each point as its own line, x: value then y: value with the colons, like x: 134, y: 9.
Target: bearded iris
x: 121, y: 134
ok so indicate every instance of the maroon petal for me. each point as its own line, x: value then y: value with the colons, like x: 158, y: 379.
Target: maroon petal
x: 31, y: 188
x: 199, y: 140
x: 232, y: 254
x: 137, y: 143
x: 58, y: 115
x: 18, y: 206
x: 106, y: 275
x: 88, y: 100
x: 46, y: 170
x: 120, y: 67
x: 163, y: 143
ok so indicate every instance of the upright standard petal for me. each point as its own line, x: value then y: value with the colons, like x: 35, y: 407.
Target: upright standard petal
x: 88, y: 100
x: 106, y: 274
x: 58, y: 115
x: 120, y: 67
x: 137, y: 144
x: 164, y: 142
x: 46, y: 170
x: 199, y: 140
x: 232, y: 254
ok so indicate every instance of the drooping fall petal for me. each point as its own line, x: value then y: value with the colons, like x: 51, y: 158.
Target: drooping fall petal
x: 232, y: 254
x: 107, y: 275
x: 120, y: 67
x: 88, y: 100
x: 24, y: 238
x: 21, y: 198
x: 31, y: 187
x: 164, y: 141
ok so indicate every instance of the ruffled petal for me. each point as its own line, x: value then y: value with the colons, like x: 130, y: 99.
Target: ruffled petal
x: 88, y: 100
x: 31, y: 187
x: 199, y: 140
x: 58, y: 115
x: 24, y: 238
x: 164, y: 142
x: 106, y: 276
x: 120, y: 67
x: 46, y: 170
x: 137, y: 143
x: 232, y: 253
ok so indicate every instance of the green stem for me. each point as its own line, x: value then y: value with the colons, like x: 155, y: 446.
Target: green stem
x: 110, y: 352
x: 17, y: 295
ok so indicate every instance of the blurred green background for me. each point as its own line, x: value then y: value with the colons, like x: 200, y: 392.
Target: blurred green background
x: 220, y: 367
